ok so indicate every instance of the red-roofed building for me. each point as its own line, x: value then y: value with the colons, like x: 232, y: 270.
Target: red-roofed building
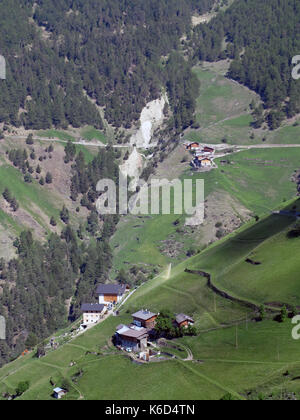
x: 192, y: 146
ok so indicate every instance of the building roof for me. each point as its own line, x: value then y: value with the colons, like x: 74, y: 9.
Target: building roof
x: 192, y: 145
x: 133, y: 332
x: 122, y: 330
x: 120, y: 327
x: 111, y: 289
x: 86, y: 307
x: 182, y: 318
x: 58, y: 390
x: 144, y: 315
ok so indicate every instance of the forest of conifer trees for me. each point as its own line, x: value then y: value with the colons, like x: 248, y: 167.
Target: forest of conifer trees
x: 64, y: 57
x: 262, y: 37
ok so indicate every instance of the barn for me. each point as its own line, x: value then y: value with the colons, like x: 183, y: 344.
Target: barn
x: 184, y: 321
x: 145, y: 318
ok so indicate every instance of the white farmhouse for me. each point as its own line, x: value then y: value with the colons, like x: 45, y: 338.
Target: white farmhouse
x: 92, y: 313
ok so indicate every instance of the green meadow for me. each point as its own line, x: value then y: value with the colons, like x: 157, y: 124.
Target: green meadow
x: 223, y: 110
x: 276, y: 279
x: 258, y: 179
x: 220, y: 98
x: 232, y: 354
x: 32, y: 197
x: 91, y: 133
x: 56, y: 134
x: 223, y: 113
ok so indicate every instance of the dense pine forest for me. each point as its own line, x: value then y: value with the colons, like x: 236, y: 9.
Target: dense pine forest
x: 71, y: 61
x: 67, y: 56
x: 262, y: 36
x: 65, y: 60
x: 44, y: 286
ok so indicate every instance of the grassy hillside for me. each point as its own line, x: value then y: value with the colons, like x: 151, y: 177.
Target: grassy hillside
x: 224, y: 113
x: 87, y: 133
x: 259, y: 180
x: 275, y: 280
x: 55, y: 134
x: 246, y: 360
x: 37, y: 204
x: 90, y: 134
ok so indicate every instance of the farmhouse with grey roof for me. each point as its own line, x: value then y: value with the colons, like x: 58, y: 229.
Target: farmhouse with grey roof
x: 92, y: 313
x: 132, y: 337
x: 145, y: 318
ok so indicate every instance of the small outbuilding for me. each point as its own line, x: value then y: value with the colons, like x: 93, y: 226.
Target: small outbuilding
x: 145, y: 319
x: 202, y: 162
x: 184, y: 321
x: 192, y: 146
x: 59, y: 393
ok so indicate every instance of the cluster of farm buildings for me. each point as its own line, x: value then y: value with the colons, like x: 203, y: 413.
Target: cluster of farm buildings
x: 133, y: 337
x: 202, y: 155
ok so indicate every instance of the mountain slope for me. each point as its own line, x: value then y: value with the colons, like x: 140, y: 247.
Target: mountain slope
x: 261, y: 37
x: 56, y: 244
x: 74, y: 55
x: 224, y: 360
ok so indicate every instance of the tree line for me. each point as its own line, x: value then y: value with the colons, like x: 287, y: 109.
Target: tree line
x: 261, y: 38
x: 67, y: 57
x: 45, y: 285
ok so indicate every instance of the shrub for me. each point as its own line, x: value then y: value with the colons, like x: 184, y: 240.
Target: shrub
x: 29, y: 139
x: 22, y: 387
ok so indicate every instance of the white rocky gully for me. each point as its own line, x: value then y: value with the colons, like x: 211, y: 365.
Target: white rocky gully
x: 296, y: 69
x: 178, y: 197
x: 2, y: 328
x: 2, y: 68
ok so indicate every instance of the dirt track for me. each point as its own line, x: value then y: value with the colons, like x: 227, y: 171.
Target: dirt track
x: 79, y: 142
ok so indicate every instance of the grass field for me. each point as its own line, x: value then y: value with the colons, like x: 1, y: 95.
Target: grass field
x: 232, y: 353
x: 33, y: 198
x: 258, y: 179
x: 265, y: 352
x: 220, y: 98
x: 245, y: 361
x: 37, y: 204
x: 222, y: 109
x: 223, y: 112
x: 91, y: 133
x: 58, y: 134
x: 275, y: 280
